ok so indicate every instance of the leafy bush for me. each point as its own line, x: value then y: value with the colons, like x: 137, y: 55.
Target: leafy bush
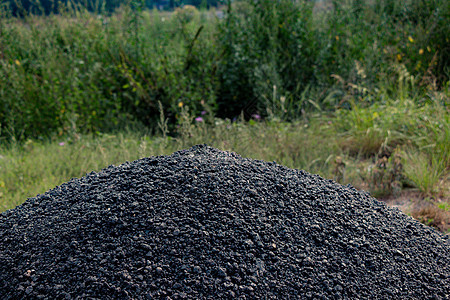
x: 264, y: 46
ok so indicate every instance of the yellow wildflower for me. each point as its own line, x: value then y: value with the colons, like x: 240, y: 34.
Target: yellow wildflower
x: 17, y: 62
x: 399, y: 57
x: 419, y: 64
x: 410, y: 39
x: 337, y: 38
x: 180, y: 105
x: 421, y: 51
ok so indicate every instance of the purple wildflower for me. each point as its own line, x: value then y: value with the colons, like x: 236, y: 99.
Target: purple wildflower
x: 62, y: 144
x: 199, y: 119
x: 256, y: 117
x: 203, y: 112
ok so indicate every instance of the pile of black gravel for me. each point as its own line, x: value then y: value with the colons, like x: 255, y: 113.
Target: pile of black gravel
x: 204, y: 223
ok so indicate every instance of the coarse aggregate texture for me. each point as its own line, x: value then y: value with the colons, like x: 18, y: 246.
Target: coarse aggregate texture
x: 208, y: 224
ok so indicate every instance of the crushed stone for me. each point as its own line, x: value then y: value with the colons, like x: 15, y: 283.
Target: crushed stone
x: 208, y: 224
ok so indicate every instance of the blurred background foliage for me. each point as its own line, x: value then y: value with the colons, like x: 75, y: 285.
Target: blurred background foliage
x: 88, y: 67
x: 45, y: 7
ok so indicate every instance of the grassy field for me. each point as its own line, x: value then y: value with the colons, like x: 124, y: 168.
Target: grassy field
x: 398, y: 151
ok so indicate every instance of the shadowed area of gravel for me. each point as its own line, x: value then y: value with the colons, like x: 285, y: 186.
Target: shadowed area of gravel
x: 204, y: 223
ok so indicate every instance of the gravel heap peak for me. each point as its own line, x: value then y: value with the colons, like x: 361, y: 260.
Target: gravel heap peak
x: 205, y: 223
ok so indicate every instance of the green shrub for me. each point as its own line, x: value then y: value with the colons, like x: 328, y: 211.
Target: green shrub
x: 265, y: 46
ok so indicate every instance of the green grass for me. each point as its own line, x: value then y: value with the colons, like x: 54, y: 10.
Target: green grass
x: 318, y: 144
x: 424, y: 171
x: 36, y: 167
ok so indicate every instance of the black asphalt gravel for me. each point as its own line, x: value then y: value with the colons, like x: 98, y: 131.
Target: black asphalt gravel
x: 204, y: 223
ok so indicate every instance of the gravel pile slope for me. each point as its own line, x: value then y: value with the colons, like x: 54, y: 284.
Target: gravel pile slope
x: 204, y: 223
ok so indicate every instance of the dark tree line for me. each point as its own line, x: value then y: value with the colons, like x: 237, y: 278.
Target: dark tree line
x: 39, y: 7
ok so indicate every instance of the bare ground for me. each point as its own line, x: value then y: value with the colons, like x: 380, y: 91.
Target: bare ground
x: 424, y: 209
